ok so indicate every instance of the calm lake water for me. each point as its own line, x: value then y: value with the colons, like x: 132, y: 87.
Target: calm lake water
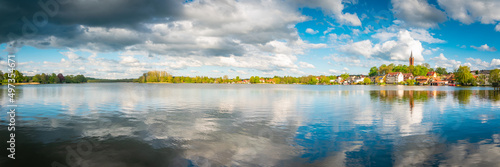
x: 130, y: 124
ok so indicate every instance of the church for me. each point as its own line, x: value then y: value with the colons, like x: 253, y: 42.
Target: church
x: 411, y: 58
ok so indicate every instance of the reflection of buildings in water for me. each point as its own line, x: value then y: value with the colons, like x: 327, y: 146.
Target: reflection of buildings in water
x: 411, y: 101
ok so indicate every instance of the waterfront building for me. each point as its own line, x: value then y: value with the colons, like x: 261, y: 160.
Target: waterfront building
x: 394, y: 77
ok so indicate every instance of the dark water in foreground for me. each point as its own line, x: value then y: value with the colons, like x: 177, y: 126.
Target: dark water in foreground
x: 127, y: 124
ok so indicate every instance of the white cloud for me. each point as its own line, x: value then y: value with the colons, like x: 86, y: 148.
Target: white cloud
x: 334, y: 8
x: 425, y: 36
x: 311, y: 31
x: 328, y: 30
x: 209, y: 33
x: 332, y: 71
x: 306, y: 65
x: 352, y: 60
x: 467, y: 11
x: 338, y: 72
x: 335, y: 37
x: 399, y: 49
x: 485, y: 47
x: 478, y: 64
x: 384, y: 35
x: 418, y: 13
x: 417, y: 34
x: 241, y: 72
x: 497, y: 28
x: 355, y: 32
x: 442, y: 61
x: 495, y: 63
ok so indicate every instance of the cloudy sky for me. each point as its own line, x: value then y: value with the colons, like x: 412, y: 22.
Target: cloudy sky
x: 125, y: 38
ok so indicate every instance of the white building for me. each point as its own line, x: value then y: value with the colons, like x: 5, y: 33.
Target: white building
x: 394, y: 77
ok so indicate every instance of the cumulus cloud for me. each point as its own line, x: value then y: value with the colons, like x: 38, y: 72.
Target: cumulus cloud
x: 495, y: 63
x: 497, y: 28
x: 425, y: 36
x: 467, y: 12
x: 418, y: 13
x: 442, y: 61
x: 311, y: 31
x: 306, y: 65
x: 398, y: 49
x: 247, y: 34
x: 485, y: 47
x: 334, y: 8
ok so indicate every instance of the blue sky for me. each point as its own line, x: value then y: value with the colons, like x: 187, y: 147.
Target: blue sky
x: 264, y: 38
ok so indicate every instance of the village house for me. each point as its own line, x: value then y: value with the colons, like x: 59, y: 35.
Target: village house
x: 339, y: 79
x: 407, y: 76
x: 394, y: 77
x: 439, y: 82
x: 422, y: 79
x: 431, y: 74
x: 359, y: 79
x: 379, y: 79
x: 450, y: 78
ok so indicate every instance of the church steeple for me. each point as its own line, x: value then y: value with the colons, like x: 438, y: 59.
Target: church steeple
x: 411, y: 58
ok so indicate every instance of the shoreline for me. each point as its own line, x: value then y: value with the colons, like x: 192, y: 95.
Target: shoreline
x: 35, y: 83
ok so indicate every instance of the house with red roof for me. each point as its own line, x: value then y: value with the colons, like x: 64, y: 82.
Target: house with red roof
x: 407, y: 76
x: 431, y: 74
x: 394, y: 77
x: 422, y: 79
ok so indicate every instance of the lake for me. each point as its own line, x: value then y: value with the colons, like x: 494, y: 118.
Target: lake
x: 131, y: 124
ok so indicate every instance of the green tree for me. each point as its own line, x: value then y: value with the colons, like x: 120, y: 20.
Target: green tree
x: 384, y: 69
x: 411, y: 81
x: 44, y: 78
x: 36, y: 78
x: 420, y: 70
x: 18, y: 76
x: 344, y: 76
x: 79, y: 79
x: 311, y: 80
x: 373, y: 71
x: 277, y: 80
x: 367, y: 81
x: 401, y: 68
x: 463, y: 75
x: 52, y: 78
x: 441, y: 71
x: 495, y: 76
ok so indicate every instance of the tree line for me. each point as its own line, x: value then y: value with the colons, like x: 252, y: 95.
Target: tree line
x: 165, y: 77
x: 43, y: 78
x: 462, y: 74
x: 418, y: 70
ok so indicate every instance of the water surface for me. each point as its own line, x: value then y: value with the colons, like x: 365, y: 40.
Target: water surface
x: 130, y: 124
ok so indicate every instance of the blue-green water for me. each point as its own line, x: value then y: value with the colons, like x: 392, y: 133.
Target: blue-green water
x: 129, y: 124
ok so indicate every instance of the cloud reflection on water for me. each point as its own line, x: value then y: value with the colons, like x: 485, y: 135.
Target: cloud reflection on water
x: 270, y: 125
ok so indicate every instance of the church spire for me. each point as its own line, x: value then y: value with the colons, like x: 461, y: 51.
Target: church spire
x: 411, y: 58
